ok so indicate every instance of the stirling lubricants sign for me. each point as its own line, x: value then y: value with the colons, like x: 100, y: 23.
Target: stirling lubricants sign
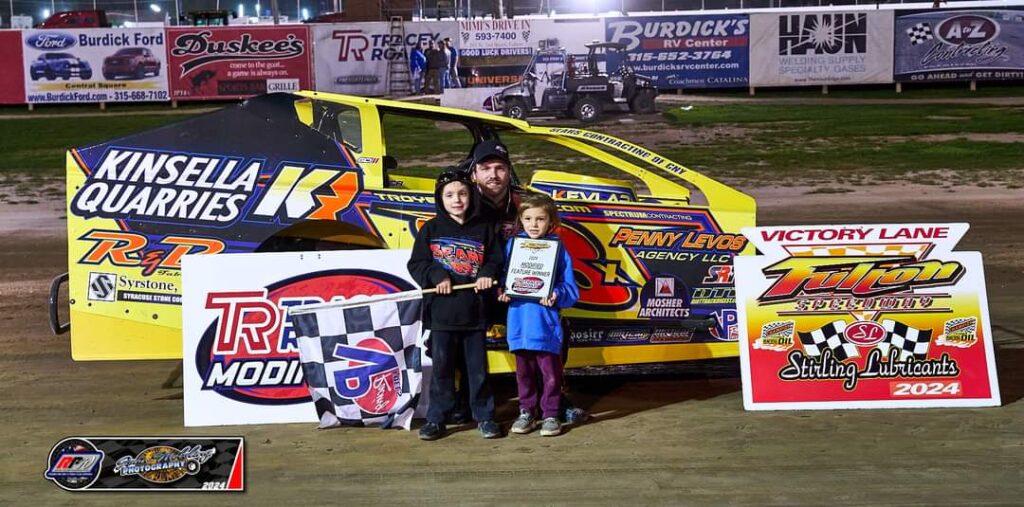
x: 821, y: 48
x: 863, y: 316
x: 240, y: 348
x: 960, y: 45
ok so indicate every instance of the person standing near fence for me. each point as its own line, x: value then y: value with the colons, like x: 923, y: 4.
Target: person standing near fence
x: 453, y: 64
x: 435, y: 65
x: 417, y: 67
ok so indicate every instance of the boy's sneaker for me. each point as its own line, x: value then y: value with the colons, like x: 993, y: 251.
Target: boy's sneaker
x: 551, y: 427
x: 489, y: 429
x: 432, y: 431
x: 525, y: 423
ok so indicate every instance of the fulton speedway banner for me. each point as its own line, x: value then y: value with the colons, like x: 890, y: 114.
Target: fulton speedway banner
x: 822, y: 48
x: 960, y: 45
x: 709, y: 51
x: 352, y: 58
x: 238, y: 62
x: 241, y: 361
x: 95, y: 65
x: 864, y: 316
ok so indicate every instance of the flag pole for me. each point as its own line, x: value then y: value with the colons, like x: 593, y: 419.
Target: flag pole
x: 395, y: 296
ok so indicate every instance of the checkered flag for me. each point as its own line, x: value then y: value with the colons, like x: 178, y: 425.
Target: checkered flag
x: 829, y: 337
x: 361, y: 359
x: 909, y: 341
x: 919, y: 33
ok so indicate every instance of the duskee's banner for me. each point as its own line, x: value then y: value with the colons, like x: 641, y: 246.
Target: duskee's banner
x: 863, y: 316
x: 960, y: 45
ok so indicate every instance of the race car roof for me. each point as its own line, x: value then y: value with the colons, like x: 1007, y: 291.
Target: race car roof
x: 492, y: 120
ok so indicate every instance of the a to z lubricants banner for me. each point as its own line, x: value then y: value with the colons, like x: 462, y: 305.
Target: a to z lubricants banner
x: 821, y: 48
x: 241, y: 362
x: 95, y: 65
x: 686, y: 51
x: 352, y: 58
x: 863, y: 316
x: 12, y: 84
x: 238, y: 62
x: 960, y: 45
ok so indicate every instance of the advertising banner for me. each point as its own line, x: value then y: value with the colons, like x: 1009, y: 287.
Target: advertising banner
x: 12, y: 80
x: 710, y: 51
x: 151, y: 464
x: 241, y: 361
x: 863, y: 316
x: 495, y: 52
x: 353, y: 58
x: 960, y: 45
x: 95, y: 65
x: 238, y: 62
x: 821, y: 48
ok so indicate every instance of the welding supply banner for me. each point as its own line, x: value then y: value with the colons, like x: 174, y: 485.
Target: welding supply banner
x: 821, y: 48
x: 710, y: 51
x: 960, y: 45
x: 95, y: 65
x: 12, y: 82
x: 352, y: 58
x: 241, y: 362
x: 238, y: 62
x: 863, y: 316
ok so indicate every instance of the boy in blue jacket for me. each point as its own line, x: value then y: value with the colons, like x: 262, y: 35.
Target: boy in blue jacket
x: 534, y: 328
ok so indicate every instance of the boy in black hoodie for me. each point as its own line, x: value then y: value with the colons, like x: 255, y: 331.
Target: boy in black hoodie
x: 457, y: 247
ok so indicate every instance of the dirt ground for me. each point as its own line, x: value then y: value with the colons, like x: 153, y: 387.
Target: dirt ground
x: 678, y: 437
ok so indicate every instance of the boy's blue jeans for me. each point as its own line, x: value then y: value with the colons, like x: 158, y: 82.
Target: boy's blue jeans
x: 442, y: 386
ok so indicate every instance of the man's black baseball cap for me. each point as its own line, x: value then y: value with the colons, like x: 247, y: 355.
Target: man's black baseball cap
x: 491, y: 149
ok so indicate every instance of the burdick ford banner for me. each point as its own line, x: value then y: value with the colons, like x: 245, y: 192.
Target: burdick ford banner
x: 95, y: 65
x: 960, y: 45
x: 352, y: 58
x: 238, y: 62
x: 821, y: 48
x: 686, y: 51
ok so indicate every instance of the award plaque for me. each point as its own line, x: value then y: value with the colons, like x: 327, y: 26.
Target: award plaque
x: 531, y: 268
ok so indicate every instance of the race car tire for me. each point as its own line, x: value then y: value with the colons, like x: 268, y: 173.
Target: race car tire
x: 87, y: 75
x: 515, y: 108
x: 642, y: 103
x: 587, y: 109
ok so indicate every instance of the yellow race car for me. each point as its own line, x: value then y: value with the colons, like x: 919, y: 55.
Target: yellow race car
x: 314, y: 170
